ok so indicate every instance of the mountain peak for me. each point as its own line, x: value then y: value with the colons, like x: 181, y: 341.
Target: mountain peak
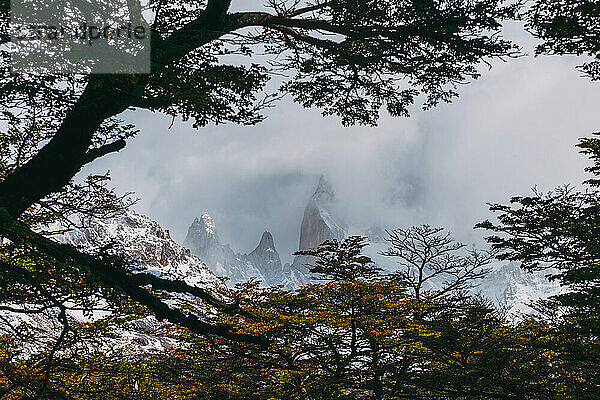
x: 321, y: 221
x: 266, y: 260
x: 202, y: 235
x: 266, y: 243
x: 324, y: 190
x: 149, y: 247
x: 205, y: 225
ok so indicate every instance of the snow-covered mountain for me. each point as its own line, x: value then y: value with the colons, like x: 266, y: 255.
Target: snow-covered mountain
x: 203, y: 241
x: 515, y: 289
x: 263, y: 264
x: 320, y: 223
x: 147, y: 246
x: 266, y: 260
x: 507, y: 285
x: 203, y: 258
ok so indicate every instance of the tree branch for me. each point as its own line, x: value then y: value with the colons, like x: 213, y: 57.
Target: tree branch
x: 182, y: 287
x: 112, y: 275
x: 93, y: 154
x: 62, y: 316
x: 104, y: 97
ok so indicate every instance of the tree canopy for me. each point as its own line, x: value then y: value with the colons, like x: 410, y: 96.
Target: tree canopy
x: 568, y: 27
x: 348, y: 58
x: 354, y: 333
x: 558, y: 232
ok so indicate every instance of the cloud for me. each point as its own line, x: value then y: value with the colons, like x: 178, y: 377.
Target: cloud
x: 514, y: 128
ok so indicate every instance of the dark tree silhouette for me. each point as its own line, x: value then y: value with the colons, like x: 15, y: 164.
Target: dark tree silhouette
x: 432, y: 264
x: 560, y: 230
x: 568, y: 27
x: 349, y: 58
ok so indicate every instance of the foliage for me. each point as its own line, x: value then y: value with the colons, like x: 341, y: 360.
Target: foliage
x: 560, y: 230
x: 354, y: 334
x: 349, y: 58
x: 568, y: 27
x: 359, y: 335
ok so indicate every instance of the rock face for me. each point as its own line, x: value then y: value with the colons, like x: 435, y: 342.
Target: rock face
x: 320, y: 223
x: 263, y: 263
x: 514, y: 289
x: 203, y: 241
x: 147, y: 246
x: 266, y: 260
x: 202, y: 237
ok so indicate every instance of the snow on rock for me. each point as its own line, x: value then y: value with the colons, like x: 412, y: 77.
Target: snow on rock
x: 516, y: 290
x: 320, y: 223
x: 203, y: 241
x: 262, y: 264
x: 202, y: 236
x: 146, y: 245
x: 266, y: 260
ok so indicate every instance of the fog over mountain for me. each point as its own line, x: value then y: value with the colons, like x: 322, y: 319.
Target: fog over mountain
x: 513, y: 128
x: 319, y: 223
x: 204, y: 259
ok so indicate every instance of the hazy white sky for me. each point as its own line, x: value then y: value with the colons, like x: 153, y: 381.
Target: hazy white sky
x: 514, y: 128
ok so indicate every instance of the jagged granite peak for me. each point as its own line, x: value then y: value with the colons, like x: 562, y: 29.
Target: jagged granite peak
x: 202, y: 235
x: 263, y: 264
x: 324, y: 191
x: 320, y: 221
x: 507, y: 285
x: 207, y: 223
x: 265, y: 245
x: 266, y: 260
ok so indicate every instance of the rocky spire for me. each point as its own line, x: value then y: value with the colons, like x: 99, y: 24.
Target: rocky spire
x: 266, y: 259
x: 207, y: 223
x: 266, y: 243
x: 320, y: 222
x: 262, y: 264
x: 324, y: 191
x: 202, y: 235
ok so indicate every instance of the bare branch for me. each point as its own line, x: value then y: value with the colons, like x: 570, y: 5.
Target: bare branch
x: 427, y: 255
x: 112, y: 275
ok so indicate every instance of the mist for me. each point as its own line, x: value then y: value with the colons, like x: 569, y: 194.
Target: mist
x: 514, y: 128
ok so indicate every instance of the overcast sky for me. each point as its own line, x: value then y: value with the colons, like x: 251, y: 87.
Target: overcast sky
x: 514, y: 128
